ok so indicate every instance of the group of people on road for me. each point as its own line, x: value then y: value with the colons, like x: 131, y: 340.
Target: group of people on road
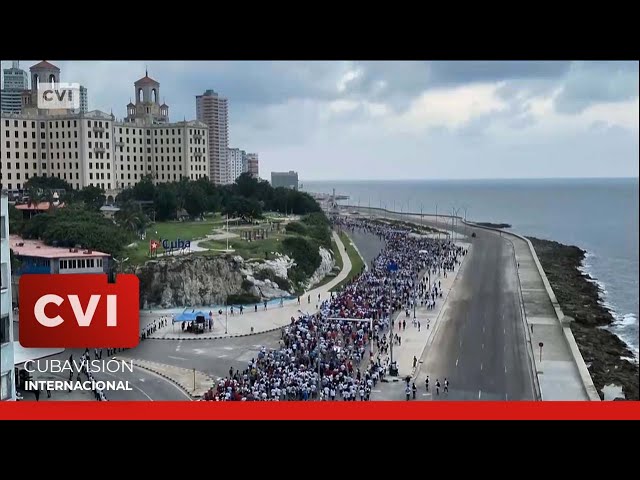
x: 328, y: 355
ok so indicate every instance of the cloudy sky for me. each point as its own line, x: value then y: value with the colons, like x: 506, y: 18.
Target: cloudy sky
x: 399, y: 120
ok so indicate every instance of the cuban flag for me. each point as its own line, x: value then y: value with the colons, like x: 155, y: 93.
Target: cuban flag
x: 154, y: 244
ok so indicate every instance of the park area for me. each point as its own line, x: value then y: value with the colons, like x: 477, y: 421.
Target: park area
x: 212, y: 226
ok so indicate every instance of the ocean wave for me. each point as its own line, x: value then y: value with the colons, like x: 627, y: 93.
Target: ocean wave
x: 623, y: 325
x: 627, y: 319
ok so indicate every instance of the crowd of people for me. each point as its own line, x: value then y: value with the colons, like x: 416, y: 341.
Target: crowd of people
x: 151, y: 328
x: 328, y: 355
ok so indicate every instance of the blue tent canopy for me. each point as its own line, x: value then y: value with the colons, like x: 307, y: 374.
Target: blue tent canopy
x: 189, y: 316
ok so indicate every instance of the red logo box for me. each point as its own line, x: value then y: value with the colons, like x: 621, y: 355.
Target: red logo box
x: 79, y: 311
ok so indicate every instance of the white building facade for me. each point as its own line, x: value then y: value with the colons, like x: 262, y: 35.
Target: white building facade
x: 93, y: 149
x: 236, y: 161
x: 7, y: 380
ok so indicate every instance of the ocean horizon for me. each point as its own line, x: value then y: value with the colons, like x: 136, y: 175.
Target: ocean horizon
x: 599, y: 215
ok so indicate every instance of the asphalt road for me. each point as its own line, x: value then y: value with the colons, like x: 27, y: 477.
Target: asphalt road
x: 479, y: 344
x: 213, y: 357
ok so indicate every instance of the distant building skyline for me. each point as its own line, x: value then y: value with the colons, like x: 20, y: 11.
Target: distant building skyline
x: 285, y: 179
x: 398, y: 120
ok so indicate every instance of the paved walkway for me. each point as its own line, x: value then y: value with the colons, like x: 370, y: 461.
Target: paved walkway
x: 415, y: 342
x: 251, y: 322
x: 559, y: 371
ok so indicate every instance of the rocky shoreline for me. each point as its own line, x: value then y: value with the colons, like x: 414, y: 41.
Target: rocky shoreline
x: 580, y: 298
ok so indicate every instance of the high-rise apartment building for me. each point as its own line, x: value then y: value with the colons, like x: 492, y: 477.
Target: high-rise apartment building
x: 16, y: 81
x: 235, y: 162
x: 212, y: 110
x: 84, y: 101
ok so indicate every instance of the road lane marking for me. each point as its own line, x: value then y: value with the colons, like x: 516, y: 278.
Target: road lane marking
x: 480, y: 366
x: 506, y: 397
x: 482, y: 329
x: 505, y: 369
x: 169, y: 382
x: 483, y: 346
x: 176, y: 358
x: 426, y: 394
x: 457, y: 362
x: 479, y: 394
x: 460, y: 342
x: 504, y: 331
x: 228, y: 348
x: 133, y: 385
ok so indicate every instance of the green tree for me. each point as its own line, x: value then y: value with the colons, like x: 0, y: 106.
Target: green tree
x: 165, y: 202
x: 132, y: 218
x: 47, y: 183
x: 92, y: 197
x: 195, y: 201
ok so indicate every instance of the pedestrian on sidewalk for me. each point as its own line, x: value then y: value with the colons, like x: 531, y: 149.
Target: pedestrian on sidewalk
x: 414, y: 389
x: 309, y: 299
x: 426, y: 383
x: 407, y: 391
x: 241, y: 310
x: 437, y: 387
x: 446, y: 385
x: 415, y: 361
x: 37, y: 393
x: 298, y: 299
x: 418, y: 325
x: 256, y: 307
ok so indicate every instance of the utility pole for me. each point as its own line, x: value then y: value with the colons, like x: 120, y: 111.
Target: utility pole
x: 226, y: 318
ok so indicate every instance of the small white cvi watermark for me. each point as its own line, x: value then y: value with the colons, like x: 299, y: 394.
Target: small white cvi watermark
x: 59, y: 95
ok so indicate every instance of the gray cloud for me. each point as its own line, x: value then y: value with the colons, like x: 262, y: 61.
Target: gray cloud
x: 282, y: 109
x: 588, y: 83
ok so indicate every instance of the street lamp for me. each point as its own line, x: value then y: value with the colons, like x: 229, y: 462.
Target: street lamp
x: 226, y: 318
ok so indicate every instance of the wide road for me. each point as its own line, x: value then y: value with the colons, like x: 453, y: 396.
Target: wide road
x: 479, y: 344
x: 213, y: 357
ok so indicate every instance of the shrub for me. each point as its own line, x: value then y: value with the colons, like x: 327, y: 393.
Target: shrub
x: 296, y: 227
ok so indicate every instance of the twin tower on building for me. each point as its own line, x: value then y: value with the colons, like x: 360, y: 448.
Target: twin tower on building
x: 143, y: 143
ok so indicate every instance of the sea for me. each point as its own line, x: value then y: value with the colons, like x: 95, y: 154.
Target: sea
x: 599, y: 215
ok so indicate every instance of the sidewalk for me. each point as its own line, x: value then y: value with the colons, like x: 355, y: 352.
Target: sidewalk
x: 562, y: 373
x: 415, y: 342
x: 250, y: 322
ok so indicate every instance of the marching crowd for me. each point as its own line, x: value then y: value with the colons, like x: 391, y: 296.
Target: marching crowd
x: 328, y: 355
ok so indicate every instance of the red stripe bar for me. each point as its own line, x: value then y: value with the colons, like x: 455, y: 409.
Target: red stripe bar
x: 320, y: 410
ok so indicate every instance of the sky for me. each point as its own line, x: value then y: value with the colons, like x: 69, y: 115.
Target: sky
x: 387, y: 120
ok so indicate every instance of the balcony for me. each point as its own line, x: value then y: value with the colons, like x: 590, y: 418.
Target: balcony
x: 198, y: 154
x: 118, y: 144
x: 99, y: 149
x: 98, y: 129
x: 197, y: 136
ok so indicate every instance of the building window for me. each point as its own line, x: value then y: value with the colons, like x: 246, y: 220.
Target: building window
x: 5, y: 386
x: 5, y: 276
x: 4, y: 329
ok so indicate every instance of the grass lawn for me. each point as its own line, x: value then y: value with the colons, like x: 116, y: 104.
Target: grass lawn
x: 356, y: 261
x: 248, y: 250
x: 172, y: 231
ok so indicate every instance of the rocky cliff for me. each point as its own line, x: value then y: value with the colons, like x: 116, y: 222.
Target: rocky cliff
x: 188, y: 281
x: 196, y: 280
x: 326, y: 267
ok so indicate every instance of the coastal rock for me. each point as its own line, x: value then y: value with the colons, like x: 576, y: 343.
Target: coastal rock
x: 326, y: 266
x: 267, y: 289
x: 580, y: 297
x: 188, y: 280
